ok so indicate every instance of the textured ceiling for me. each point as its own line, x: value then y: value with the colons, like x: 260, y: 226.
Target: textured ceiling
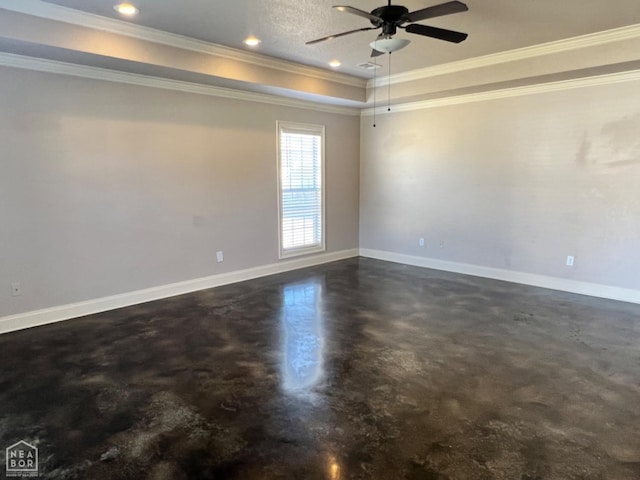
x: 285, y: 25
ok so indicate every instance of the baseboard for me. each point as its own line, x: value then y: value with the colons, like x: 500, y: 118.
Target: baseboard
x: 553, y: 283
x: 65, y: 312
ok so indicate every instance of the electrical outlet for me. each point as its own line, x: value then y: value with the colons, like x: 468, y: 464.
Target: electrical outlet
x: 421, y: 242
x: 219, y: 256
x: 16, y: 289
x: 570, y: 261
x: 441, y: 243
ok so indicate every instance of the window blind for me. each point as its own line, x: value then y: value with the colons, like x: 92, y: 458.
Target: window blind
x: 301, y: 192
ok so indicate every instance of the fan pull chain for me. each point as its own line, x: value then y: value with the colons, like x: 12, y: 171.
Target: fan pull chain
x: 375, y: 71
x: 389, y: 86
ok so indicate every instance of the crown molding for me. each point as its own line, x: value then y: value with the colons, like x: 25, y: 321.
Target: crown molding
x: 96, y: 73
x: 630, y: 32
x: 71, y: 16
x: 607, y: 79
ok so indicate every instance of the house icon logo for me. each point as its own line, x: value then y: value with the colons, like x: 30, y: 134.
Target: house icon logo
x: 22, y: 460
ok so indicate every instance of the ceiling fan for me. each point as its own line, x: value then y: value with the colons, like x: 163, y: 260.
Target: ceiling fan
x: 391, y: 17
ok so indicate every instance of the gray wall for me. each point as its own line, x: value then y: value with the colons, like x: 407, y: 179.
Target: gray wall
x: 107, y: 188
x: 516, y: 183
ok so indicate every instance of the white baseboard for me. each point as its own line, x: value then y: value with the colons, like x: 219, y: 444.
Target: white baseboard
x: 65, y: 312
x: 553, y: 283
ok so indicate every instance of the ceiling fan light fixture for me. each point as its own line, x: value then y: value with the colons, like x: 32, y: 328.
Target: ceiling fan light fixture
x: 335, y: 63
x: 388, y: 45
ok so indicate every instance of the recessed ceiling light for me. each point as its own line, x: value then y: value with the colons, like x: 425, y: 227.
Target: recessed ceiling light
x: 126, y: 9
x: 335, y: 63
x: 252, y: 41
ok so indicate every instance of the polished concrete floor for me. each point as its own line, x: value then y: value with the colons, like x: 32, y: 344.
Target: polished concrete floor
x: 355, y: 369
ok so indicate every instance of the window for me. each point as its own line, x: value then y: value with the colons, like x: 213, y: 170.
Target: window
x: 300, y: 188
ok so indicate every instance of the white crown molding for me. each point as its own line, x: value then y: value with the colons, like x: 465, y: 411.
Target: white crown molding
x: 71, y: 16
x: 96, y: 73
x: 65, y: 312
x: 630, y: 32
x: 607, y: 79
x: 543, y: 281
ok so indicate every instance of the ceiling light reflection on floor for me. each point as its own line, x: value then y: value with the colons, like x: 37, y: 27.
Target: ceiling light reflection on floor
x: 334, y: 469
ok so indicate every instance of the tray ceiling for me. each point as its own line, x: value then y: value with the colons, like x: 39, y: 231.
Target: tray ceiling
x: 284, y: 26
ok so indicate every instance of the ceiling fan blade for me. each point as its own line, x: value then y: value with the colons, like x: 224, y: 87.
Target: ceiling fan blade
x: 435, y: 11
x: 376, y: 53
x: 439, y: 33
x: 360, y: 13
x: 336, y: 35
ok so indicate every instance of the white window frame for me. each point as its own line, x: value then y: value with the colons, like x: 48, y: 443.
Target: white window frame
x: 302, y: 128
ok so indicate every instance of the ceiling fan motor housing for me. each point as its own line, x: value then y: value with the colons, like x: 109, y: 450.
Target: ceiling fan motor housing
x: 392, y: 16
